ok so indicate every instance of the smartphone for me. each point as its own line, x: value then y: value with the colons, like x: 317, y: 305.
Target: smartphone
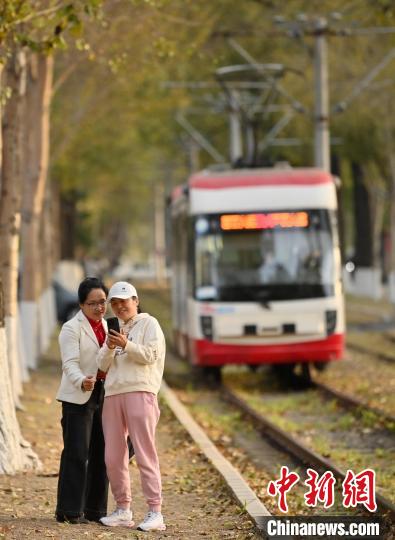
x: 113, y: 324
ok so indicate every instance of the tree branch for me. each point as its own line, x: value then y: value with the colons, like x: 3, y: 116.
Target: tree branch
x: 32, y: 16
x: 64, y: 76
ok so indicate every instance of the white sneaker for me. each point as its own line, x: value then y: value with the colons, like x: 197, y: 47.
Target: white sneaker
x: 153, y: 521
x: 119, y: 518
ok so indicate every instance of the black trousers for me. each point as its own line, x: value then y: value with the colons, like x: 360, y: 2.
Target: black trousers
x: 83, y: 483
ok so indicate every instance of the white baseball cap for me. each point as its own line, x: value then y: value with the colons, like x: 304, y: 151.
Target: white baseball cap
x: 121, y: 289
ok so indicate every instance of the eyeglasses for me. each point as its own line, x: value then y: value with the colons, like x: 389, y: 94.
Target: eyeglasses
x: 100, y: 303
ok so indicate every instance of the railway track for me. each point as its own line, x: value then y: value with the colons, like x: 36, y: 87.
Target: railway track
x: 295, y: 447
x: 351, y: 402
x: 297, y: 451
x: 298, y: 454
x: 377, y: 354
x: 300, y: 451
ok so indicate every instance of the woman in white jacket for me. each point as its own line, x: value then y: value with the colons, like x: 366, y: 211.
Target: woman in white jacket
x: 83, y: 483
x: 134, y: 361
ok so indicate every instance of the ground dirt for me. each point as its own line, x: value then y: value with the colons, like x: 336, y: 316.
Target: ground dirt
x: 197, y: 504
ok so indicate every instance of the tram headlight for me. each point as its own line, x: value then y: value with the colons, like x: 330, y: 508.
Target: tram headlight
x: 206, y: 324
x: 331, y: 318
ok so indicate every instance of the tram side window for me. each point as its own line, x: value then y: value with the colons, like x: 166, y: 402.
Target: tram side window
x: 205, y: 260
x: 190, y: 258
x: 183, y: 238
x: 179, y: 251
x: 178, y: 241
x: 206, y: 277
x: 175, y: 253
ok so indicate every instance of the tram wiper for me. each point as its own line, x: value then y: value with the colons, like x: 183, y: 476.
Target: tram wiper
x: 262, y: 297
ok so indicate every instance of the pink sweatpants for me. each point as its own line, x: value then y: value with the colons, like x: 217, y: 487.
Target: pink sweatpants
x: 136, y: 414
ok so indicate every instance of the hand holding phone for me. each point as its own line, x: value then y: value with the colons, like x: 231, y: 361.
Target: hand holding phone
x: 113, y: 324
x: 113, y: 339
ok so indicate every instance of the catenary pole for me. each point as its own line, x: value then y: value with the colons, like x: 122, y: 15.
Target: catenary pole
x: 321, y: 91
x: 235, y: 142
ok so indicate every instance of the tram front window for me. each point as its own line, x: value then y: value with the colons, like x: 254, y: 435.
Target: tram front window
x: 267, y: 264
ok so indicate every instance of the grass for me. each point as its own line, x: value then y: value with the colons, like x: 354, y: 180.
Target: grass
x: 346, y: 421
x: 226, y: 422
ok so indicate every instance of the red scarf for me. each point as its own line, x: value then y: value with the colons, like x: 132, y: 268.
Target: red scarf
x: 100, y: 333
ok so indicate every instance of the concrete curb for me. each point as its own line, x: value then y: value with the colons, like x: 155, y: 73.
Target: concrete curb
x: 243, y: 493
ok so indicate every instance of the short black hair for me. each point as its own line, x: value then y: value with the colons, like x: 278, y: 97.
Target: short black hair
x: 87, y: 285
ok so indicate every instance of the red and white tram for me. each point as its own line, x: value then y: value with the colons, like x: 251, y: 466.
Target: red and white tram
x: 256, y: 268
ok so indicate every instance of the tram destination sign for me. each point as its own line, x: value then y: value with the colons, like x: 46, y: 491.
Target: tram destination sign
x: 271, y: 220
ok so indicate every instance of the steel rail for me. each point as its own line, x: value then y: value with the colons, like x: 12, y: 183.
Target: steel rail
x: 351, y: 402
x: 292, y: 446
x: 363, y: 350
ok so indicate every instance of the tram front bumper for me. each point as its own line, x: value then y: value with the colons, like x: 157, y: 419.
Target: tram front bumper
x: 209, y: 353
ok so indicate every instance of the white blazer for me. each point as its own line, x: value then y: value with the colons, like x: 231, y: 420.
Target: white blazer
x: 78, y: 349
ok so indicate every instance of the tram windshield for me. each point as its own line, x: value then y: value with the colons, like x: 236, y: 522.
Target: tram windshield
x: 264, y: 257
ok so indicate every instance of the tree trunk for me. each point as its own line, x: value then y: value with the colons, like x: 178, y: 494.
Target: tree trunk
x: 377, y: 193
x: 68, y: 225
x: 335, y: 168
x: 363, y: 224
x: 391, y: 166
x: 15, y: 453
x: 114, y: 237
x: 34, y: 285
x: 160, y: 240
x: 10, y: 208
x: 49, y: 259
x: 54, y: 217
x: 38, y: 99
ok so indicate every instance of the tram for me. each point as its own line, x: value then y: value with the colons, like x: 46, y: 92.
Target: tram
x: 256, y: 270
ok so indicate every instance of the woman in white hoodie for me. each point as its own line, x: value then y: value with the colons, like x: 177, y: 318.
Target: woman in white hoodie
x: 134, y: 361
